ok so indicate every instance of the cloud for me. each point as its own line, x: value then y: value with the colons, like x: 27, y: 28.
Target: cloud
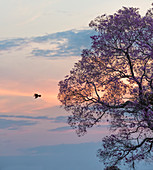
x: 25, y: 117
x: 58, y: 119
x: 70, y: 43
x: 60, y: 129
x: 98, y: 128
x: 14, y: 124
x: 62, y: 148
x: 11, y: 43
x: 52, y: 46
x: 30, y: 19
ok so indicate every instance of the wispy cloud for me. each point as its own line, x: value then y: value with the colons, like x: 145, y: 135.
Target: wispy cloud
x: 14, y: 124
x: 26, y: 117
x: 61, y: 129
x: 58, y: 119
x: 11, y: 43
x: 30, y: 19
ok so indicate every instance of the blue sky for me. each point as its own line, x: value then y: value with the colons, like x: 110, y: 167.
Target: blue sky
x: 40, y: 40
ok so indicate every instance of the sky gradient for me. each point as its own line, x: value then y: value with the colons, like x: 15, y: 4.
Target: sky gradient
x: 22, y: 18
x: 40, y: 40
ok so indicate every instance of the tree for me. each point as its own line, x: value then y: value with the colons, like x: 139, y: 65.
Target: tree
x: 112, y: 168
x: 114, y: 79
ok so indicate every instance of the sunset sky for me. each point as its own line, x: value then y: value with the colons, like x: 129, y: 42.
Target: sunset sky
x: 40, y: 40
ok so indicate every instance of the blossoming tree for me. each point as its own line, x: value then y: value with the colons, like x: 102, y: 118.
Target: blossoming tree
x: 114, y: 79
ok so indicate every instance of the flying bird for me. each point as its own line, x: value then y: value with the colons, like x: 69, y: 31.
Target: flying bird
x: 36, y: 95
